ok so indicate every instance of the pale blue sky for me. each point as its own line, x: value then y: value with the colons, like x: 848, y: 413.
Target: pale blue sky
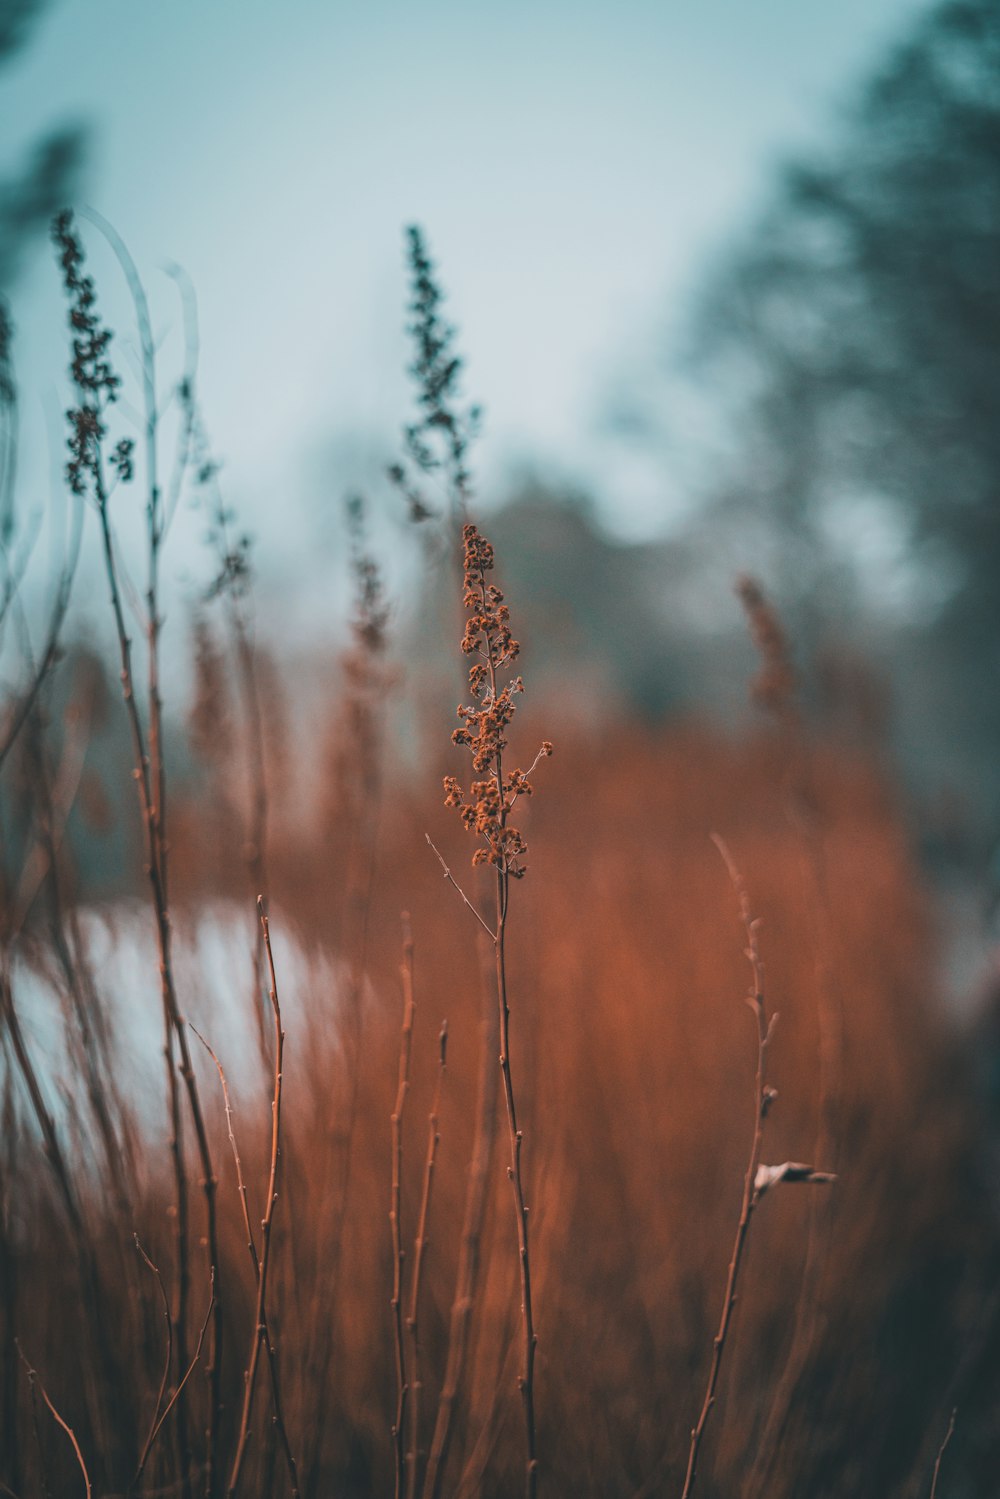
x: 572, y: 162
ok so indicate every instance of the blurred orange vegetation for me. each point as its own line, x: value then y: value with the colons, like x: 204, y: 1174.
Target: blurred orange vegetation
x: 634, y: 1053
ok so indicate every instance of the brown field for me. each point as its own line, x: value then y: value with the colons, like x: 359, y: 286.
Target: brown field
x: 864, y: 1309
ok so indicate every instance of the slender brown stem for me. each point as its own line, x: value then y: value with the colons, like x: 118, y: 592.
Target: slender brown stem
x: 454, y: 883
x: 402, y: 1088
x: 469, y: 1254
x: 255, y: 843
x: 173, y: 1024
x: 776, y: 689
x: 488, y: 636
x: 240, y: 1183
x: 155, y: 1423
x: 34, y: 1380
x: 413, y: 1454
x: 526, y: 1379
x: 254, y: 1257
x: 261, y: 1333
x: 175, y: 1397
x: 751, y: 1194
x: 941, y: 1452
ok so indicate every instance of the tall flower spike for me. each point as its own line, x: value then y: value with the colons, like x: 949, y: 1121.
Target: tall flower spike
x: 90, y: 370
x: 483, y: 723
x: 438, y: 442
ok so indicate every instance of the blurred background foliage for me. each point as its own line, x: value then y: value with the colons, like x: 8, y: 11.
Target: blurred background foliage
x: 827, y: 404
x: 49, y: 178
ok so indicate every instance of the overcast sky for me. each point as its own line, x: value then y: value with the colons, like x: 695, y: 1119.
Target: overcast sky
x: 573, y: 163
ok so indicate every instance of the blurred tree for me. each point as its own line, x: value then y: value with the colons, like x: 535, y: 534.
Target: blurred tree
x: 852, y: 343
x: 28, y: 200
x: 43, y: 183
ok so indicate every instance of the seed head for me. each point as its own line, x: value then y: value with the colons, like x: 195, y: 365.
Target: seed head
x: 90, y: 369
x: 483, y: 722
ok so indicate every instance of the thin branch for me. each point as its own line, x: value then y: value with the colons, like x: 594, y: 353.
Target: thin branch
x: 402, y: 1088
x: 469, y: 1252
x: 419, y: 1249
x: 34, y: 1380
x: 176, y: 1395
x: 526, y: 1378
x: 153, y: 1426
x: 451, y: 879
x: 241, y: 1184
x: 941, y: 1452
x: 261, y: 1333
x: 762, y: 1099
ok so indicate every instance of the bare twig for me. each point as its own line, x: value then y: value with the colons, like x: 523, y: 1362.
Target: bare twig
x: 941, y: 1452
x: 261, y: 1334
x: 241, y: 1184
x: 402, y: 1088
x: 452, y: 881
x: 154, y: 1424
x: 158, y: 1425
x: 754, y: 1182
x: 526, y: 1377
x: 776, y: 689
x: 419, y: 1248
x: 469, y: 1252
x: 34, y: 1380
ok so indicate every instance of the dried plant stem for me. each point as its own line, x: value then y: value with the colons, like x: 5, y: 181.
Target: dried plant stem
x: 751, y: 1193
x: 159, y: 1417
x: 175, y: 1397
x: 168, y: 1364
x: 261, y: 1333
x: 254, y: 1260
x: 398, y: 1253
x: 941, y: 1452
x: 36, y: 1426
x: 173, y: 1024
x: 240, y: 1183
x: 776, y: 689
x: 487, y: 812
x: 413, y: 1455
x: 526, y: 1379
x: 233, y: 585
x: 34, y: 1380
x: 175, y: 1032
x: 469, y: 1253
x: 456, y: 886
x: 256, y: 839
